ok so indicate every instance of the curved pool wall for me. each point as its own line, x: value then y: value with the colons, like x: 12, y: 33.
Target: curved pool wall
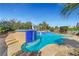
x: 42, y: 40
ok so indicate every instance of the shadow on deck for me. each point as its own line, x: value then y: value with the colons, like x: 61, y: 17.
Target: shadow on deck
x: 72, y: 43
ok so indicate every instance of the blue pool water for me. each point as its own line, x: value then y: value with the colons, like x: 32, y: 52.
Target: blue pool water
x: 43, y: 39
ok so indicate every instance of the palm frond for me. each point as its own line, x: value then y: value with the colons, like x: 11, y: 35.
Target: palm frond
x: 69, y: 8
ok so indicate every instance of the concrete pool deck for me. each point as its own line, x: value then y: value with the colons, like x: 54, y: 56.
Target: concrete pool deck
x: 70, y: 42
x: 14, y: 42
x: 48, y: 50
x: 55, y: 50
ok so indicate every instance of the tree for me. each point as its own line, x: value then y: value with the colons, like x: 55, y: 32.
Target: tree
x: 69, y: 8
x: 56, y: 27
x: 63, y: 29
x: 6, y: 26
x: 27, y: 25
x: 51, y: 28
x: 43, y: 26
x: 12, y: 25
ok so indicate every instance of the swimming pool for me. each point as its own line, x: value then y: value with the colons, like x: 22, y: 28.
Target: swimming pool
x: 43, y: 39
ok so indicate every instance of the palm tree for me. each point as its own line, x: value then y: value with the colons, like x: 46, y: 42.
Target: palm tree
x: 69, y: 8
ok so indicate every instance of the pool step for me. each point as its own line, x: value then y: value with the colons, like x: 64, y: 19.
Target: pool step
x: 14, y: 42
x: 13, y: 46
x: 10, y: 42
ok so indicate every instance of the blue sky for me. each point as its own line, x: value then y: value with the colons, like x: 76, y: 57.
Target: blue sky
x: 37, y: 13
